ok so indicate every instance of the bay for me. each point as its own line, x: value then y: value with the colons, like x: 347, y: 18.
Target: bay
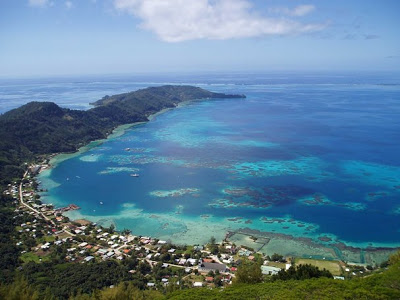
x: 298, y: 158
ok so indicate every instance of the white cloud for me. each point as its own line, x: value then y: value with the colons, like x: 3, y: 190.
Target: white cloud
x: 68, y: 4
x: 180, y: 20
x: 298, y: 11
x: 302, y: 10
x: 40, y: 3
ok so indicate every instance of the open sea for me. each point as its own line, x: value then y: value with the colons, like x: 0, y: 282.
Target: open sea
x: 305, y: 158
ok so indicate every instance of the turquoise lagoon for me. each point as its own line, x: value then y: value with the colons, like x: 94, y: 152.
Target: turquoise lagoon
x: 312, y: 168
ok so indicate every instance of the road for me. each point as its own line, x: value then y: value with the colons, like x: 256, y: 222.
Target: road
x: 21, y: 199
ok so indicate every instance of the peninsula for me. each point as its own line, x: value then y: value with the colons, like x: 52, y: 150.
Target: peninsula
x: 40, y: 128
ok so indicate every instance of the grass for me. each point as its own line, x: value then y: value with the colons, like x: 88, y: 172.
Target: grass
x: 277, y: 264
x: 29, y: 256
x: 332, y: 266
x: 47, y: 238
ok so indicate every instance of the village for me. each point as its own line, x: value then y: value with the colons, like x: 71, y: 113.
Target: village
x: 45, y: 233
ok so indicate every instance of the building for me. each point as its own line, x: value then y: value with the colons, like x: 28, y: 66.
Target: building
x: 207, y: 267
x: 269, y: 270
x: 88, y: 258
x: 197, y: 284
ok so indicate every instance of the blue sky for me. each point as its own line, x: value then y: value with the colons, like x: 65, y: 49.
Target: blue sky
x: 68, y: 37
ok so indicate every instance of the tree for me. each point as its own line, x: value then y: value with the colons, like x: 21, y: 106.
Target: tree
x: 249, y: 272
x: 213, y: 246
x: 302, y: 272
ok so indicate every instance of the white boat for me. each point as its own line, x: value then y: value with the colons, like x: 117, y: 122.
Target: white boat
x: 135, y: 175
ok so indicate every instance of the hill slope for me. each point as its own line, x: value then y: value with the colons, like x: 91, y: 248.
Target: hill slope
x: 377, y: 286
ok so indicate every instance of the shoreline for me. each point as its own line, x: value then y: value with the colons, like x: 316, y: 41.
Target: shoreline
x: 120, y: 130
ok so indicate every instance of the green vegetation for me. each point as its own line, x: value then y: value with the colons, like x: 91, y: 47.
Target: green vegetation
x: 249, y: 272
x: 378, y: 286
x: 29, y: 256
x: 302, y: 272
x: 331, y: 266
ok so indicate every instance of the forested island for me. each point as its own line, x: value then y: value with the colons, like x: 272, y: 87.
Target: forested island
x: 69, y: 261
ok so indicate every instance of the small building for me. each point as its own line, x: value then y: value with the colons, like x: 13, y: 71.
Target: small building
x: 207, y: 267
x: 269, y: 270
x: 102, y: 251
x: 197, y: 284
x: 88, y: 258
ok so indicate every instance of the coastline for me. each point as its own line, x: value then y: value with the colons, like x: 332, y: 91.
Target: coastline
x: 278, y: 240
x: 56, y: 158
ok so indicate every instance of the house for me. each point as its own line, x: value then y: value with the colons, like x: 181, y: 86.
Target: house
x: 88, y: 258
x: 269, y: 270
x: 244, y: 252
x: 207, y: 267
x: 209, y: 279
x: 197, y: 284
x: 102, y: 251
x: 151, y: 284
x: 192, y: 261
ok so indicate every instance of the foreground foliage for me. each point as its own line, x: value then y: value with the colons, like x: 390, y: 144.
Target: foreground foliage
x: 377, y: 286
x: 385, y: 285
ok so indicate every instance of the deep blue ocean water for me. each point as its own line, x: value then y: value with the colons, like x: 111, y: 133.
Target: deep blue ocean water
x: 305, y: 155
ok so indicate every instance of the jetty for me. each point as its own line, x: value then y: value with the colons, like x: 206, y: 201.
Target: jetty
x: 67, y: 208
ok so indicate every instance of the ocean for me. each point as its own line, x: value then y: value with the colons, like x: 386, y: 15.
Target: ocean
x: 306, y: 165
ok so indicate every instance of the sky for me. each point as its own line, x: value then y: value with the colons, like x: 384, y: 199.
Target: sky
x: 74, y: 37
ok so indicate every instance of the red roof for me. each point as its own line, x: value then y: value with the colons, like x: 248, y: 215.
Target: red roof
x: 209, y: 278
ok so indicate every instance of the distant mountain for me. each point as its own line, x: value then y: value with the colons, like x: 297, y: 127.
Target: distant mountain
x: 44, y: 127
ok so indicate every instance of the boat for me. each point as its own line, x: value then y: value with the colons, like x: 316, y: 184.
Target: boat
x: 135, y: 175
x: 101, y: 202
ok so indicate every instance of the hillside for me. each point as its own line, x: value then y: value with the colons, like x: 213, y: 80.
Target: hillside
x: 44, y: 127
x: 385, y: 285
